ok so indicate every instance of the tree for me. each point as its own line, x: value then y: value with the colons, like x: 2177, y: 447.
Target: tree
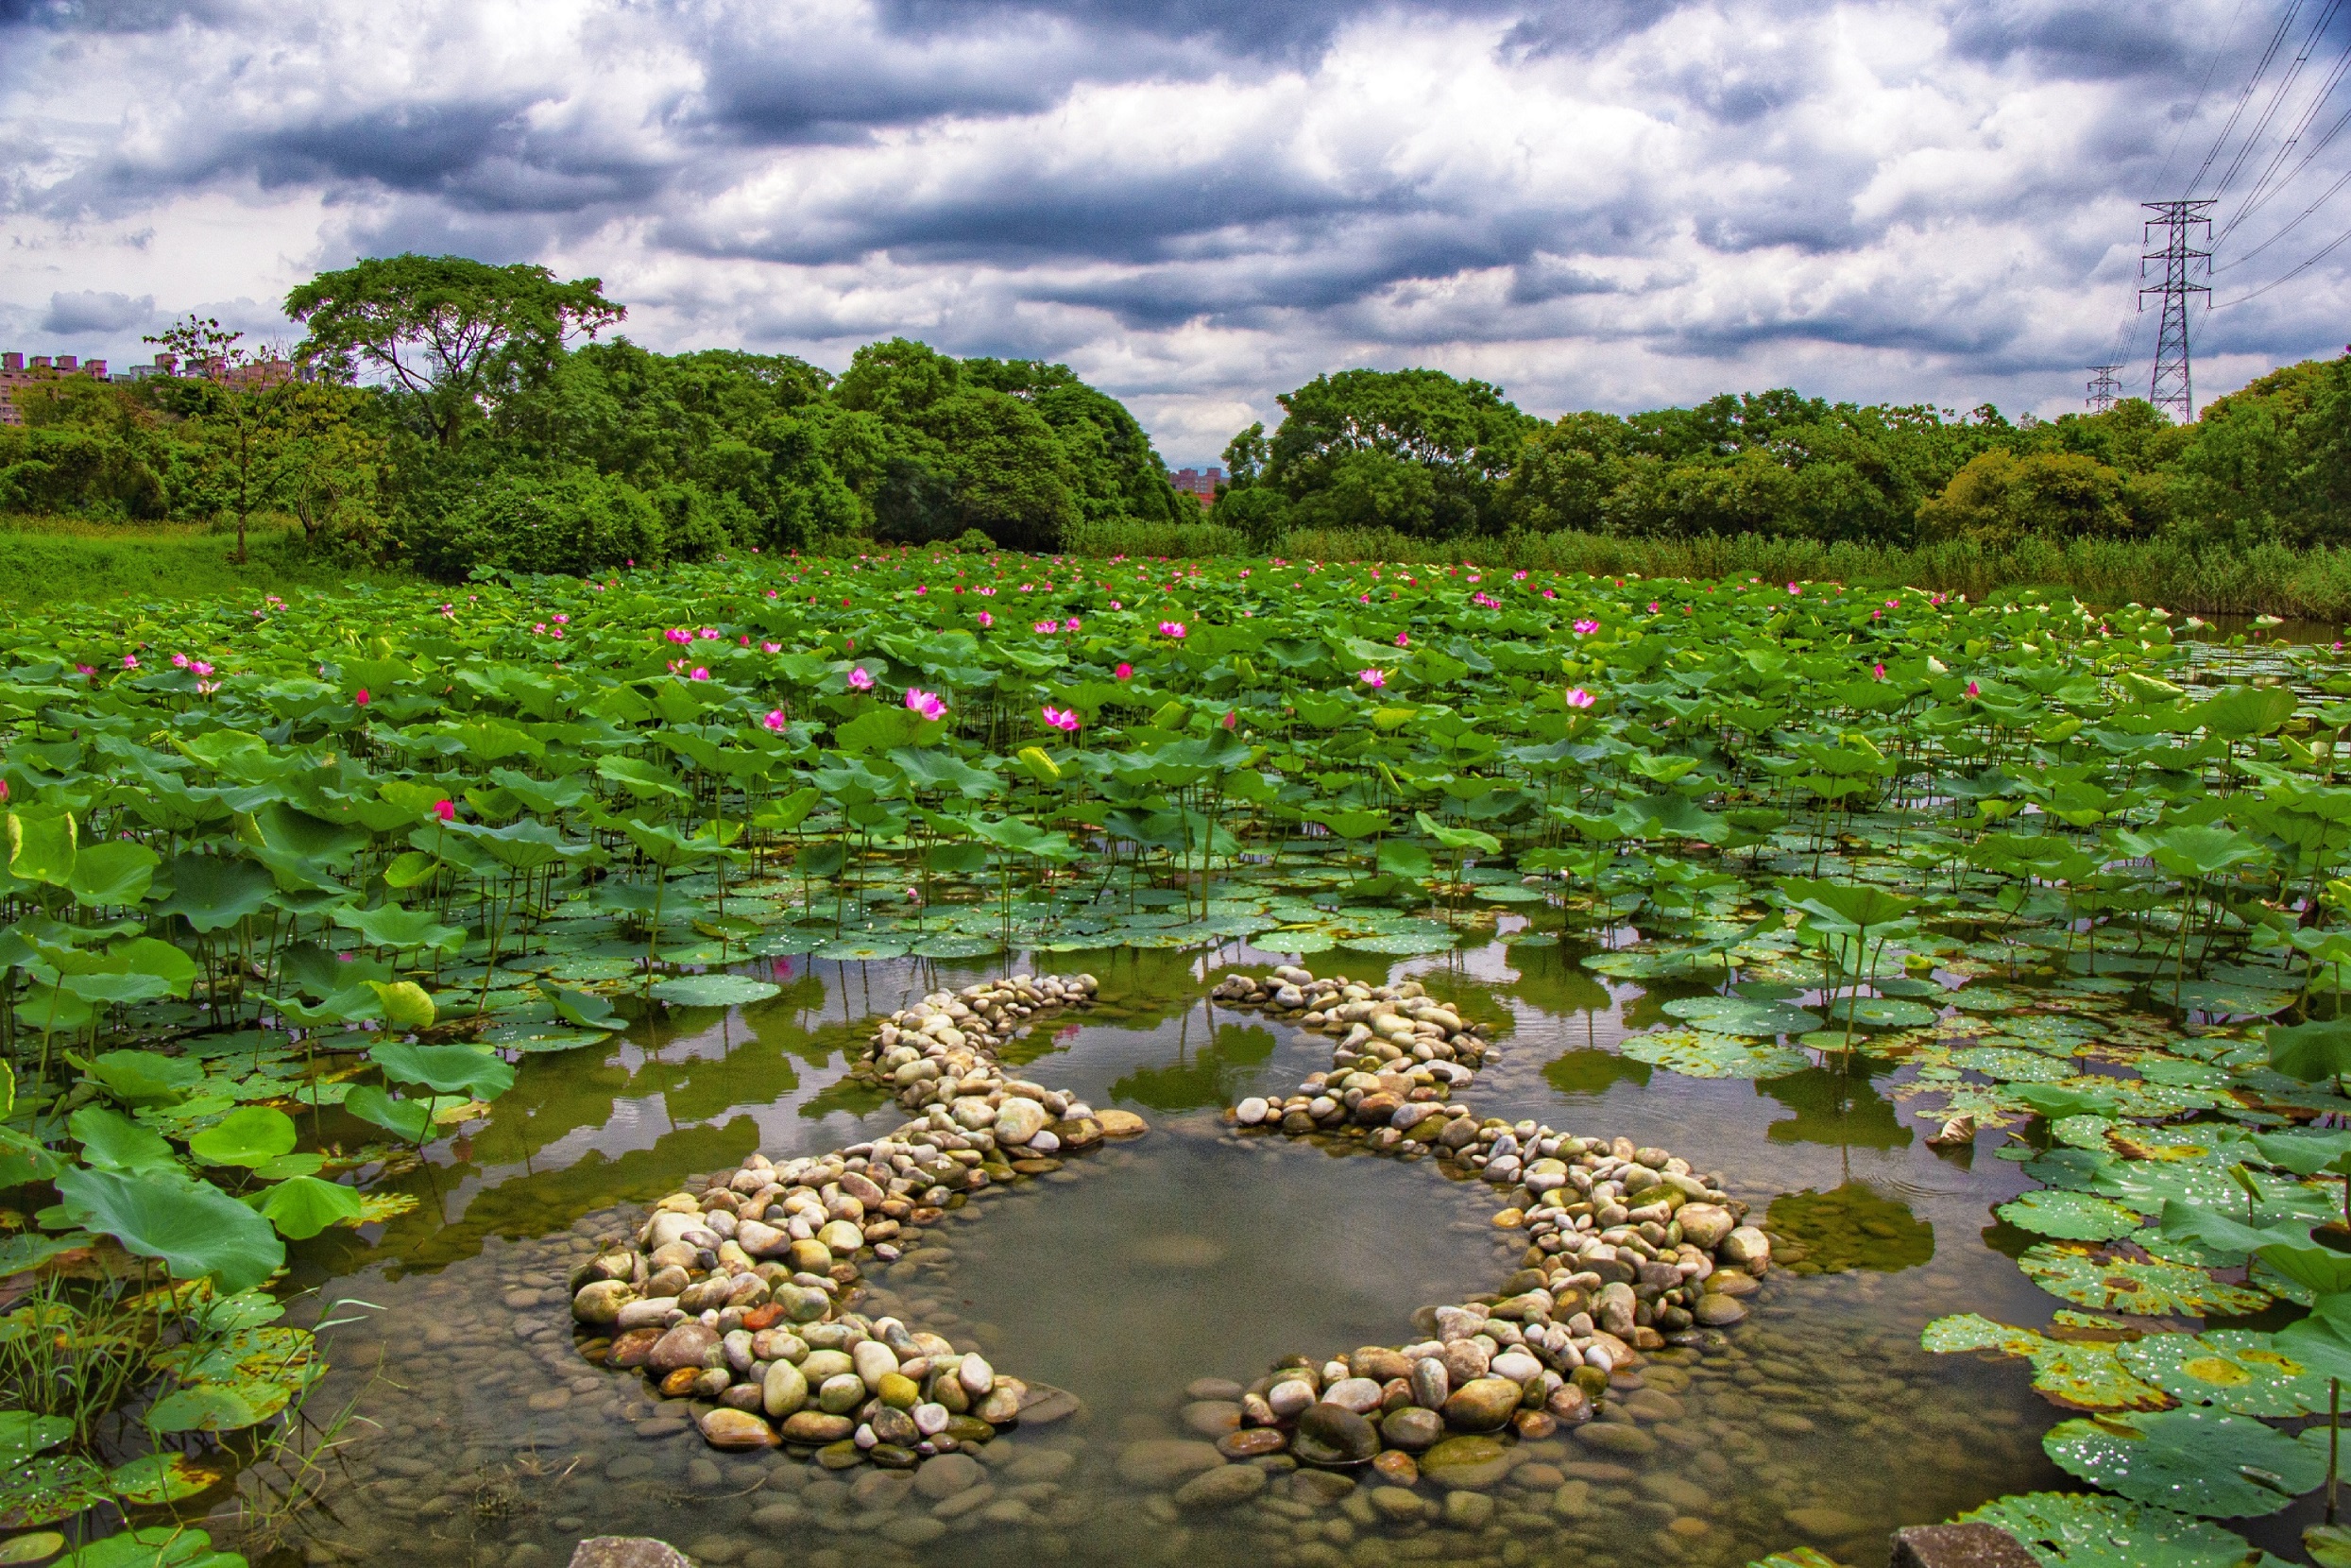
x: 455, y: 336
x: 2000, y: 497
x: 240, y: 410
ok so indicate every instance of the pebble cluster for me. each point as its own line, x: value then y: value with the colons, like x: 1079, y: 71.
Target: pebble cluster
x: 1628, y: 1249
x: 741, y: 1295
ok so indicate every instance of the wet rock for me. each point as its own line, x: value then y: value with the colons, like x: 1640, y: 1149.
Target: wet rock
x: 730, y: 1428
x: 1396, y: 1465
x: 1716, y: 1311
x: 1212, y: 1418
x: 1222, y: 1487
x: 1330, y: 1435
x: 1321, y: 1486
x: 627, y: 1551
x: 1398, y: 1502
x: 1958, y: 1547
x: 600, y: 1301
x: 1824, y: 1524
x: 1746, y: 1248
x: 1252, y: 1442
x: 1158, y: 1462
x: 1213, y: 1388
x: 1019, y: 1120
x: 691, y: 1344
x: 1704, y: 1225
x: 1413, y: 1428
x: 1621, y: 1440
x: 816, y: 1428
x: 1468, y: 1510
x: 1466, y: 1463
x: 1358, y: 1394
x: 1431, y: 1383
x: 1121, y: 1124
x: 1483, y: 1404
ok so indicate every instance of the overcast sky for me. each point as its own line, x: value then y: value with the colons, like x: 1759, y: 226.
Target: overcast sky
x: 1202, y: 203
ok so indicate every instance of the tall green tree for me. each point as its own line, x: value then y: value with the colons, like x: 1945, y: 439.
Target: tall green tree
x: 454, y: 337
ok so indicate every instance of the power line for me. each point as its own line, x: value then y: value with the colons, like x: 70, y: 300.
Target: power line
x: 2330, y: 248
x: 2104, y: 387
x: 2269, y: 184
x: 2261, y: 69
x: 2292, y: 224
x: 2201, y: 88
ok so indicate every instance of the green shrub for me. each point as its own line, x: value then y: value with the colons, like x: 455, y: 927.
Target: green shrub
x: 573, y: 524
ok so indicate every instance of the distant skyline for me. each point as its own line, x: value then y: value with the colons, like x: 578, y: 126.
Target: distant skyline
x: 1198, y: 204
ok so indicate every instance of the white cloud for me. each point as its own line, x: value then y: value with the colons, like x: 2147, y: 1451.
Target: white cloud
x: 1197, y: 203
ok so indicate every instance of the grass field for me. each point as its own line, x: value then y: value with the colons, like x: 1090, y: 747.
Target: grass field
x: 45, y: 560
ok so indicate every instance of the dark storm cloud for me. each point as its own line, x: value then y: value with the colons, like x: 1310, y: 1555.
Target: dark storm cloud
x: 1706, y: 181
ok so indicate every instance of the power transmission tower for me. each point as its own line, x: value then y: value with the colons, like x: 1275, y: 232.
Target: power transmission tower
x: 2103, y: 388
x: 2169, y: 386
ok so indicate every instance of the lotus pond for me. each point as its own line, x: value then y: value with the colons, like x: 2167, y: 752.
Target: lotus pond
x: 374, y: 957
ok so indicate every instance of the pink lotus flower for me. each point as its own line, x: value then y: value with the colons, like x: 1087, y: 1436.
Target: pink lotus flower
x: 1578, y: 697
x: 1403, y: 641
x: 180, y: 662
x: 1877, y: 672
x: 563, y: 621
x: 928, y: 704
x: 771, y: 647
x: 1232, y: 717
x: 775, y: 720
x: 1065, y: 719
x: 678, y: 633
x: 1652, y: 607
x: 1116, y: 606
x: 200, y: 667
x: 1973, y: 690
x: 1071, y: 622
x: 84, y: 669
x: 859, y: 680
x: 1125, y: 671
x: 1373, y: 678
x: 1171, y: 628
x: 1586, y: 627
x: 699, y: 673
x: 1792, y: 589
x: 445, y: 809
x: 1046, y: 628
x: 363, y: 698
x: 986, y: 621
x: 707, y: 632
x: 1551, y: 594
x: 130, y: 662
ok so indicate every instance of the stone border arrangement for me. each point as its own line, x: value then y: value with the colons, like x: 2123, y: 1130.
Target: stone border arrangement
x: 741, y: 1294
x: 1629, y: 1249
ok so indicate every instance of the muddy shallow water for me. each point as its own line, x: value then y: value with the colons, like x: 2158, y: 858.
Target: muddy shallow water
x: 480, y: 1436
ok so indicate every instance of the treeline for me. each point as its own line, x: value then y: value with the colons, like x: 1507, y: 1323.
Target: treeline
x: 1422, y: 454
x: 450, y: 421
x: 452, y: 416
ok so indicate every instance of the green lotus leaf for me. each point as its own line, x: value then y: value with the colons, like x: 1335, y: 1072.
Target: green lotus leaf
x: 193, y: 1227
x: 161, y: 1478
x: 716, y: 990
x: 444, y: 1069
x: 2076, y: 1530
x: 2071, y: 1216
x: 44, y: 1489
x: 203, y: 1407
x: 250, y: 1136
x: 2196, y: 1459
x: 2236, y: 1369
x: 2107, y: 1283
x: 114, y: 1142
x: 301, y: 1206
x: 408, y: 1119
x: 1695, y: 1053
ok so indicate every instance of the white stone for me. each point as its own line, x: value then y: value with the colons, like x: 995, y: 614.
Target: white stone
x: 1018, y: 1120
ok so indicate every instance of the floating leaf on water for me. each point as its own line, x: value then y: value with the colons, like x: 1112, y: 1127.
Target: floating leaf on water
x: 23, y: 1434
x: 2089, y: 1375
x: 204, y: 1407
x: 945, y: 945
x: 2067, y: 1530
x: 2152, y: 1288
x: 2070, y: 1215
x: 1738, y: 1015
x: 2236, y: 1369
x: 2194, y: 1460
x: 1969, y: 1331
x: 1697, y: 1054
x: 161, y: 1478
x: 2225, y: 1001
x: 713, y: 990
x: 1882, y: 1011
x: 2012, y: 1066
x: 45, y: 1490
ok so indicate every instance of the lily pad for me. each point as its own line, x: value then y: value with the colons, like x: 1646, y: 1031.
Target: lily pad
x: 2009, y: 1065
x: 2194, y: 1460
x: 161, y: 1478
x: 1695, y: 1053
x: 848, y: 950
x: 2071, y: 1216
x: 2066, y: 1529
x: 1739, y: 1016
x: 1883, y: 1012
x: 952, y: 946
x: 49, y: 1488
x: 713, y: 991
x: 2236, y: 1369
x: 2089, y: 1277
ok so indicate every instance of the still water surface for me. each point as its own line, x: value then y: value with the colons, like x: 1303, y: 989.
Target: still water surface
x: 480, y: 1436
